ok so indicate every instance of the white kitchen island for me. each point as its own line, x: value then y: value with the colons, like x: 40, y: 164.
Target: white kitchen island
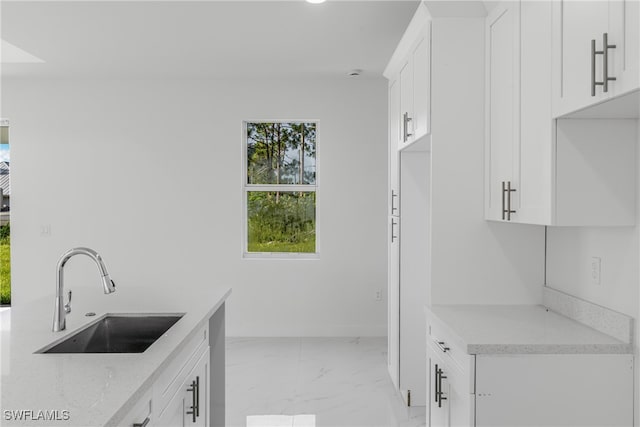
x: 113, y: 389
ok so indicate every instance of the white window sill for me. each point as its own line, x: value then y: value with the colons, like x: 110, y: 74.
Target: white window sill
x: 286, y: 256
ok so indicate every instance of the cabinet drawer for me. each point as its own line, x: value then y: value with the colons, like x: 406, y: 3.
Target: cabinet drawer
x: 452, y: 353
x: 174, y: 375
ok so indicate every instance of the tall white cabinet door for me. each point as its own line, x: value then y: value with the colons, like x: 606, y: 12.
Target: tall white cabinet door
x: 414, y: 272
x: 503, y: 106
x: 393, y: 299
x: 575, y: 24
x: 394, y: 141
x: 393, y: 235
x: 536, y: 130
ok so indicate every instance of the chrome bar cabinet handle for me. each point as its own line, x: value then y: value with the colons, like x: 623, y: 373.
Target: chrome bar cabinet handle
x: 405, y: 120
x: 436, y: 382
x: 504, y: 189
x: 393, y: 204
x: 605, y: 62
x: 439, y: 388
x: 442, y: 346
x: 194, y: 403
x: 197, y: 396
x: 509, y: 191
x: 594, y: 52
x: 142, y: 424
x: 393, y: 234
x: 404, y: 127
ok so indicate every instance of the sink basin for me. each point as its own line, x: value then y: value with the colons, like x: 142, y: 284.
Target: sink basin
x: 116, y: 333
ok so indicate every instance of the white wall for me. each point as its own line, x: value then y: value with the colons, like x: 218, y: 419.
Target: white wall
x: 473, y: 261
x: 149, y: 174
x: 569, y: 252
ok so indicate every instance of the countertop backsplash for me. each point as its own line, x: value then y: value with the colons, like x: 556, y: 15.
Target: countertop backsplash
x: 605, y: 320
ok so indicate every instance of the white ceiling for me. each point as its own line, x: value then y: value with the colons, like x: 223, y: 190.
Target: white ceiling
x: 218, y: 39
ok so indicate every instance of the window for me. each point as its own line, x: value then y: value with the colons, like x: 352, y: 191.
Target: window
x: 5, y: 194
x: 280, y: 188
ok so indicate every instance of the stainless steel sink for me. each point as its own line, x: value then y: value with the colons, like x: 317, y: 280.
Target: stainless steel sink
x: 116, y: 333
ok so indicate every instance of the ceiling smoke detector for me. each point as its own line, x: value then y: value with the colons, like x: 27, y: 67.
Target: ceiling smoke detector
x: 354, y: 73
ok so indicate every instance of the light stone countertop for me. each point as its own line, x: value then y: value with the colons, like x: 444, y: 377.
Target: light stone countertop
x: 95, y: 389
x: 520, y: 329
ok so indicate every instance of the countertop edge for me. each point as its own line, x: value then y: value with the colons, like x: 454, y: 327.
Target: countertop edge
x: 524, y: 349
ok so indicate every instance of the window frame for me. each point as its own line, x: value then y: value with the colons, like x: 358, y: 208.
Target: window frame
x: 246, y: 188
x: 6, y: 123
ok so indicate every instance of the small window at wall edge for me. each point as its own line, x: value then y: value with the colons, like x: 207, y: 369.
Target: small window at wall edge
x: 280, y: 189
x: 5, y: 237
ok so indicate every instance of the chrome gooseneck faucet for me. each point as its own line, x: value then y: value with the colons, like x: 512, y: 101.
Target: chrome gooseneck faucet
x: 61, y: 309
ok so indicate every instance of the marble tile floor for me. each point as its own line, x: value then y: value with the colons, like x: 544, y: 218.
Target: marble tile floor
x: 313, y: 382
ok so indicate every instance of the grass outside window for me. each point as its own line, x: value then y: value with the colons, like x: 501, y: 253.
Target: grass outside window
x: 5, y: 265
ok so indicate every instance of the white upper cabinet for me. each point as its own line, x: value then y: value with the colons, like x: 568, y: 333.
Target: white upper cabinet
x: 503, y: 100
x: 410, y: 70
x: 406, y: 103
x: 535, y: 193
x: 414, y: 90
x: 627, y: 61
x: 541, y: 170
x: 585, y: 71
x: 421, y: 83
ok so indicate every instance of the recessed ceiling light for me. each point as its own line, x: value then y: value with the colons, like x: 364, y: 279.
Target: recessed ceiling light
x: 316, y: 1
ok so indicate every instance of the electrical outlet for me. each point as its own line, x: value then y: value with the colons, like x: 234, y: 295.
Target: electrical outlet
x: 596, y: 264
x: 378, y: 295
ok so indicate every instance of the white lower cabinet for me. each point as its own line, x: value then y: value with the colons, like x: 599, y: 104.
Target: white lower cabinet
x: 188, y: 407
x: 451, y: 400
x: 511, y: 390
x: 554, y: 390
x: 181, y: 394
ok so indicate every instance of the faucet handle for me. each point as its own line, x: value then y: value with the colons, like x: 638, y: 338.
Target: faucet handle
x: 67, y: 306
